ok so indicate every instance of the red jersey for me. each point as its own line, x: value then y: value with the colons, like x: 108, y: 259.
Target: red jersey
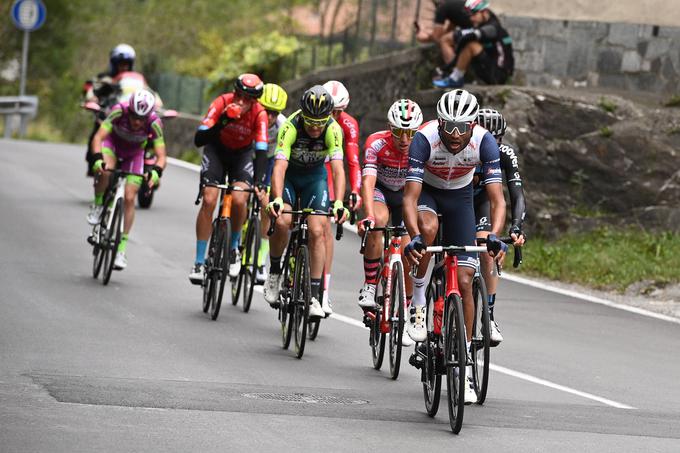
x: 350, y: 131
x: 238, y: 134
x: 385, y: 161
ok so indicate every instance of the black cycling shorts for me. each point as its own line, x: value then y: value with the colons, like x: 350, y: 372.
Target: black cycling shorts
x: 486, y: 69
x: 394, y: 200
x: 458, y: 217
x: 219, y: 163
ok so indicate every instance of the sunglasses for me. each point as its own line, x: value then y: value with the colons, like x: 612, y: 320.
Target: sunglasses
x: 315, y: 122
x: 460, y: 127
x: 134, y: 116
x: 398, y: 132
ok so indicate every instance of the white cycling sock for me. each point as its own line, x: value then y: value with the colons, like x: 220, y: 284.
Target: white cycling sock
x: 457, y: 74
x: 418, y: 292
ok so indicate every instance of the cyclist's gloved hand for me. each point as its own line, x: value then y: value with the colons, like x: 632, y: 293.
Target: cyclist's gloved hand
x: 274, y: 206
x: 413, y: 249
x: 354, y: 201
x: 517, y: 235
x: 98, y: 166
x: 339, y: 211
x: 155, y: 175
x: 495, y: 246
x: 467, y: 35
x: 366, y: 224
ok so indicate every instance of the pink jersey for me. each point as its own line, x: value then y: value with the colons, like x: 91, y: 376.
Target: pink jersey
x: 126, y: 139
x: 385, y: 161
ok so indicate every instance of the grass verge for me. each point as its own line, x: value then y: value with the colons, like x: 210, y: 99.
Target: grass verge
x: 606, y: 258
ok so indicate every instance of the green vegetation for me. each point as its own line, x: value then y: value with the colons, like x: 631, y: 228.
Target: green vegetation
x: 606, y: 258
x: 607, y: 105
x: 606, y: 132
x: 674, y: 101
x: 191, y: 156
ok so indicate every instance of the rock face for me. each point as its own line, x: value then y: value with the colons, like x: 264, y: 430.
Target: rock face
x: 589, y: 159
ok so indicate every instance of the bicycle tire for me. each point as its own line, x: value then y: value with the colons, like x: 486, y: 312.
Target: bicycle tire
x: 430, y: 377
x: 480, y: 348
x: 208, y: 287
x: 97, y: 247
x: 113, y: 234
x: 397, y: 319
x: 313, y: 329
x: 377, y: 338
x: 145, y: 196
x: 249, y: 268
x: 284, y: 318
x: 221, y: 259
x: 302, y: 295
x: 455, y: 360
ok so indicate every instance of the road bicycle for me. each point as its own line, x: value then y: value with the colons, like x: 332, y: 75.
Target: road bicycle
x: 106, y: 234
x: 386, y: 321
x: 249, y: 248
x: 216, y: 268
x: 295, y: 295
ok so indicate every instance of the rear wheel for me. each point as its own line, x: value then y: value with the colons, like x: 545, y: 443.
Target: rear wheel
x: 112, y: 239
x: 455, y: 361
x: 302, y: 295
x: 396, y: 318
x: 249, y: 265
x: 480, y: 348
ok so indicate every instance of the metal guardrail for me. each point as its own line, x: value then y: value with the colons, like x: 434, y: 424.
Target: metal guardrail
x: 25, y: 107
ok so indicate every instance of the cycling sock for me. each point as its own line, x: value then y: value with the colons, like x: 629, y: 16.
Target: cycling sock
x: 418, y: 292
x: 123, y: 243
x: 264, y: 251
x: 99, y: 199
x: 275, y: 264
x: 326, y: 283
x: 316, y: 288
x: 235, y: 239
x: 468, y: 343
x: 492, y: 302
x: 457, y: 74
x: 371, y: 268
x: 201, y: 246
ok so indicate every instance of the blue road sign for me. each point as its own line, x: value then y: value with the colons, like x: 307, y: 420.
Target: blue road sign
x: 29, y: 15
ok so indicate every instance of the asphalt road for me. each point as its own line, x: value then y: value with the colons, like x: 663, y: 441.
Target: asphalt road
x: 136, y: 366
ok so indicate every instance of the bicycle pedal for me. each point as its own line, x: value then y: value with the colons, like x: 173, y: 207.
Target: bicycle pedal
x: 416, y: 360
x: 367, y: 321
x: 91, y: 240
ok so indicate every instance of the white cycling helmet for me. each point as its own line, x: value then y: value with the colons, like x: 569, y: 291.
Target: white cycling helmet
x: 339, y: 94
x: 142, y: 102
x: 405, y: 114
x: 457, y: 106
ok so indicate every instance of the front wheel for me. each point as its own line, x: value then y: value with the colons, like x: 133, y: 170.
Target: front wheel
x: 302, y: 297
x: 112, y: 239
x: 455, y: 361
x: 249, y: 263
x: 430, y: 376
x: 377, y: 338
x: 220, y: 269
x: 396, y: 318
x: 480, y: 348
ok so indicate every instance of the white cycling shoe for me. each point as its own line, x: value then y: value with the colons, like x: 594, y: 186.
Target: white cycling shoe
x: 470, y: 394
x: 272, y: 287
x: 315, y: 310
x: 95, y: 214
x: 406, y: 340
x: 235, y: 264
x: 495, y: 336
x: 326, y: 306
x: 260, y: 275
x: 120, y: 262
x: 416, y: 327
x: 367, y: 296
x: 197, y: 274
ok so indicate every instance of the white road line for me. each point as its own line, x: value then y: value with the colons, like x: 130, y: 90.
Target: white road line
x: 184, y: 164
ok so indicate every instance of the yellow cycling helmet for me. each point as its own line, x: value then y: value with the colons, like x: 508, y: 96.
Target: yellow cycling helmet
x: 273, y: 97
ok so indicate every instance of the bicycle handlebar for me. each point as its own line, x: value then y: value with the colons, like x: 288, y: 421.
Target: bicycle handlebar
x: 304, y: 212
x: 396, y: 230
x: 517, y: 255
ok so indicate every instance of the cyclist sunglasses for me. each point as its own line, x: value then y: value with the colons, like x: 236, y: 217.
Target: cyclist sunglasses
x: 134, y: 116
x: 398, y: 132
x: 315, y: 122
x: 460, y: 127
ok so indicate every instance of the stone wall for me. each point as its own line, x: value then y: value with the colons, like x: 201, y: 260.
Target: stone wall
x: 617, y: 56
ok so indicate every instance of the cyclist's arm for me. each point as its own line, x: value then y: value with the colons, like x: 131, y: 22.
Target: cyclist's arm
x: 158, y: 141
x: 105, y: 129
x: 510, y: 166
x: 261, y: 145
x: 210, y: 127
x: 418, y: 155
x: 286, y: 138
x: 369, y: 176
x: 493, y: 181
x: 352, y: 154
x: 334, y: 146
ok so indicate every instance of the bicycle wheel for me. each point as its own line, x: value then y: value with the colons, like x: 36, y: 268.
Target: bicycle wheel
x: 377, y: 338
x: 236, y: 283
x: 455, y: 360
x: 302, y: 295
x: 480, y: 348
x: 112, y: 240
x: 98, y: 233
x: 396, y: 318
x: 249, y: 264
x: 208, y: 280
x: 430, y: 377
x: 313, y: 325
x: 220, y: 271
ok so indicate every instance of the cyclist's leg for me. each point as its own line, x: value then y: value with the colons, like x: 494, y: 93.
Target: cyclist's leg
x: 264, y: 217
x: 483, y: 220
x: 240, y: 170
x: 314, y: 195
x: 395, y: 203
x: 212, y: 171
x: 131, y: 162
x: 328, y: 237
x: 110, y: 162
x: 279, y: 240
x: 374, y: 243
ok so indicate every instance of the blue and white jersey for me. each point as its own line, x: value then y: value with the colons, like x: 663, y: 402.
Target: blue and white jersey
x: 432, y: 163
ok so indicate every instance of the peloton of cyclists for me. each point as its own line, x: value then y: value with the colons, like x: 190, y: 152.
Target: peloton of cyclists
x: 120, y: 142
x: 234, y: 125
x: 307, y: 138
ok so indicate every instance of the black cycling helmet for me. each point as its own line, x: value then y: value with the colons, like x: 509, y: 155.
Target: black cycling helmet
x: 249, y: 85
x: 492, y: 121
x: 316, y: 102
